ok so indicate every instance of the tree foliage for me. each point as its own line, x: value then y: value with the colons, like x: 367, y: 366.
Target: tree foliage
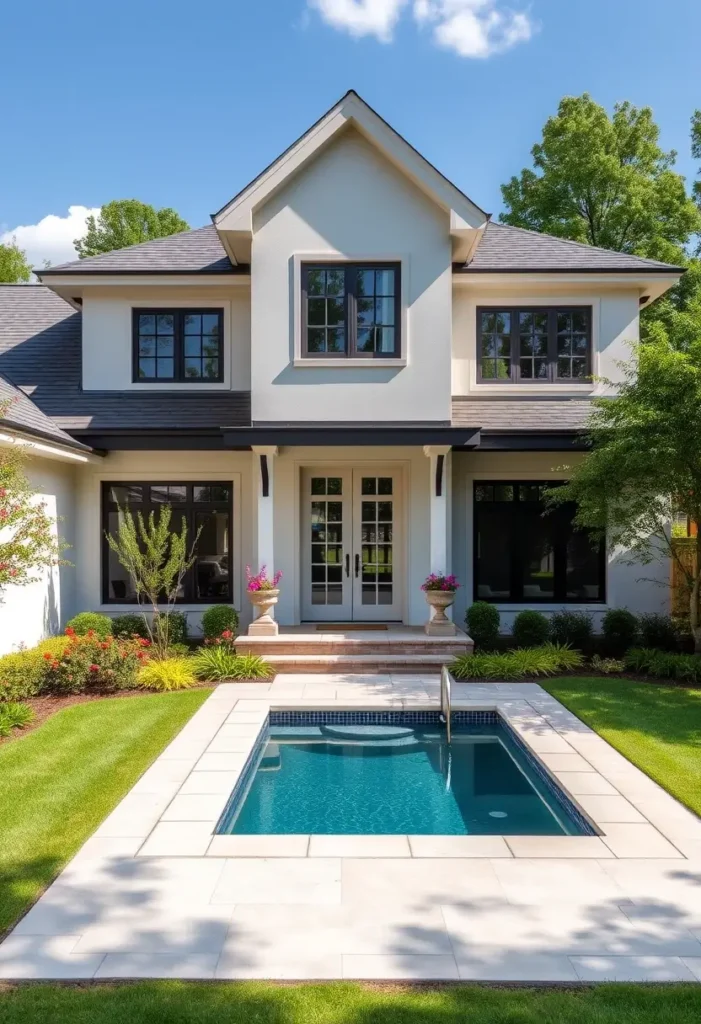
x: 645, y: 462
x: 696, y: 152
x: 124, y: 222
x: 605, y: 181
x: 14, y: 268
x: 28, y: 538
x: 156, y: 557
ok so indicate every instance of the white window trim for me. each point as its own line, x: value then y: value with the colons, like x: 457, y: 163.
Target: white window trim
x: 343, y: 257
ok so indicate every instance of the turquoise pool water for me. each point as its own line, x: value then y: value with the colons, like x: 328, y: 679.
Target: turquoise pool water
x: 391, y: 779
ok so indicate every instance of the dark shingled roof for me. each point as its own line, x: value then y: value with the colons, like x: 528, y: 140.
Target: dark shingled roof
x: 40, y: 352
x: 505, y: 249
x: 521, y: 413
x: 20, y: 413
x: 190, y: 252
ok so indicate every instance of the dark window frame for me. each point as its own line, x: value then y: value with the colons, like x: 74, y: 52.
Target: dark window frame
x: 350, y: 272
x: 188, y: 508
x: 178, y: 314
x: 552, y: 357
x: 515, y: 547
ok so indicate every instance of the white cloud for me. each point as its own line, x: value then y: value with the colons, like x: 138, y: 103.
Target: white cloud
x: 52, y: 237
x: 361, y: 17
x: 472, y: 28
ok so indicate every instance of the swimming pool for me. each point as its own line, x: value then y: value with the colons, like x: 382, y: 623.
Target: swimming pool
x: 390, y: 773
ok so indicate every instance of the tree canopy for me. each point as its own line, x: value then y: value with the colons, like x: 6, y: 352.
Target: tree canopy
x: 14, y: 268
x: 604, y: 180
x: 124, y: 222
x: 645, y: 462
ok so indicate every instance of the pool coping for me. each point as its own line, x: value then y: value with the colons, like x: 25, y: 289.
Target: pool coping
x: 634, y: 818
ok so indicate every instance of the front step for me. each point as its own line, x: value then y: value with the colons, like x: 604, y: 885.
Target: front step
x: 304, y: 664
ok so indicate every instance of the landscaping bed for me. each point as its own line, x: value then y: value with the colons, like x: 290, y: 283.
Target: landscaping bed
x: 183, y: 1002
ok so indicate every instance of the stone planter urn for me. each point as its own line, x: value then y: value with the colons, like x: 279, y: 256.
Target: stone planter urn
x: 263, y: 602
x: 439, y: 624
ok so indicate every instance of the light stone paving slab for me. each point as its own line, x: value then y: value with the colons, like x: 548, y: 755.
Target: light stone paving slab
x: 164, y: 897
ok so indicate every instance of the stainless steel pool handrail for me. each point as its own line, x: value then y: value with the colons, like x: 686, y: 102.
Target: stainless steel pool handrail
x: 446, y: 708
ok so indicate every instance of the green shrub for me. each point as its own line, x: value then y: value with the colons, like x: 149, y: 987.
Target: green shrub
x: 177, y: 627
x: 215, y: 663
x: 607, y: 666
x: 524, y: 663
x: 218, y: 618
x: 620, y: 631
x: 572, y: 628
x: 168, y: 674
x: 23, y: 672
x: 482, y: 621
x: 658, y: 631
x: 647, y: 661
x: 87, y: 663
x: 14, y: 716
x: 131, y: 624
x: 84, y: 621
x: 530, y: 629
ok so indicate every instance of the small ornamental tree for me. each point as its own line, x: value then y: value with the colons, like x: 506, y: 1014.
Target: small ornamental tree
x: 645, y: 463
x: 28, y: 539
x: 156, y: 556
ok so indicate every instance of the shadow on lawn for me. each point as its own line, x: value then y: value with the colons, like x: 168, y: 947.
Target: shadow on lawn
x: 20, y: 885
x: 671, y: 714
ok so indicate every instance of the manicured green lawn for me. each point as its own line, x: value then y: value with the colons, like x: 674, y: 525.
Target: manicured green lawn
x: 656, y: 727
x: 343, y: 1003
x: 60, y: 781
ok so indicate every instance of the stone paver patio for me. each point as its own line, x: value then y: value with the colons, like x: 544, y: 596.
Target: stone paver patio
x: 155, y: 894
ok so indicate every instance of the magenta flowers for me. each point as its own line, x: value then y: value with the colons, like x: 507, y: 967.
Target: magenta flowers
x: 436, y: 581
x: 260, y: 580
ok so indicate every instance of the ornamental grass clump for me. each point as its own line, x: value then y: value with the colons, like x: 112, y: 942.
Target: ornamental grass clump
x: 14, y: 716
x: 524, y: 663
x: 167, y: 675
x: 646, y: 661
x: 219, y: 661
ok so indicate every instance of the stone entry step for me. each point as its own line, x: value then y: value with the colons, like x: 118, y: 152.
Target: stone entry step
x: 306, y: 663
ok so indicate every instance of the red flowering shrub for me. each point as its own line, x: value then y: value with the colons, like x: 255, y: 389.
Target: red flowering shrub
x: 225, y: 640
x: 88, y: 663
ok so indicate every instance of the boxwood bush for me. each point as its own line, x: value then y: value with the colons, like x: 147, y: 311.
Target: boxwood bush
x: 530, y: 629
x: 217, y: 619
x: 482, y: 621
x: 85, y: 621
x: 574, y: 629
x: 131, y: 624
x: 620, y: 631
x: 659, y: 631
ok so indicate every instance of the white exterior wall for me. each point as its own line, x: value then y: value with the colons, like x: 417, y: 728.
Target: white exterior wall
x: 615, y: 328
x: 107, y: 334
x: 353, y: 204
x: 30, y: 613
x: 204, y: 466
x: 640, y: 588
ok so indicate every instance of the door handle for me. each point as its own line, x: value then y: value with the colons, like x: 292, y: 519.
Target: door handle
x: 347, y: 566
x: 357, y: 565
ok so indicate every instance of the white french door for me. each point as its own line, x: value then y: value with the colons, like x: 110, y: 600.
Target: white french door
x: 350, y: 545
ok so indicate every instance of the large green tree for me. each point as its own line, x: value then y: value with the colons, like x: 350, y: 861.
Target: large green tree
x: 14, y: 268
x: 606, y: 181
x: 645, y: 464
x: 696, y: 151
x: 126, y: 222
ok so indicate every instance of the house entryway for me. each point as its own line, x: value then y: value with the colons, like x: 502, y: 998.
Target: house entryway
x: 351, y: 545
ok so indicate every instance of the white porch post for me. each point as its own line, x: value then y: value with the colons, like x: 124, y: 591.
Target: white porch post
x: 438, y: 529
x: 264, y: 455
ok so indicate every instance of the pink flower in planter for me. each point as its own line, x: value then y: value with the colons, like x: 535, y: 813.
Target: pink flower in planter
x: 260, y: 580
x: 437, y: 581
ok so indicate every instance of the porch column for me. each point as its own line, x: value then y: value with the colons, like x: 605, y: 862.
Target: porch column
x: 264, y: 622
x: 437, y: 454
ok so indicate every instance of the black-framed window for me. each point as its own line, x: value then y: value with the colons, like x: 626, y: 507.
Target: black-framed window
x: 207, y: 507
x: 351, y: 309
x: 525, y: 552
x: 178, y: 345
x: 534, y: 344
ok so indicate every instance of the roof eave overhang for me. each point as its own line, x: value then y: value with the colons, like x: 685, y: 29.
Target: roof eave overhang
x: 44, y: 444
x: 354, y: 435
x: 234, y: 222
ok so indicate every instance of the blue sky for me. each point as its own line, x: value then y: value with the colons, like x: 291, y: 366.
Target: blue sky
x: 181, y: 104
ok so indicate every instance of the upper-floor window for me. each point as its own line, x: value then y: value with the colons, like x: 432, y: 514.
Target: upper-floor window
x: 351, y: 309
x: 534, y: 344
x: 178, y: 345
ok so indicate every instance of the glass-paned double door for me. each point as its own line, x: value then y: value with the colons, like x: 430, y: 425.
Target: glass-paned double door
x: 350, y: 545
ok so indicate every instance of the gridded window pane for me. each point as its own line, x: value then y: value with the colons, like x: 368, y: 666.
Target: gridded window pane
x: 533, y: 345
x: 212, y: 493
x: 156, y: 346
x: 211, y: 569
x: 128, y: 494
x: 496, y: 345
x: 375, y: 310
x: 120, y: 586
x: 326, y: 310
x: 351, y: 310
x: 326, y: 549
x: 572, y: 344
x: 377, y: 548
x: 169, y: 493
x: 178, y: 345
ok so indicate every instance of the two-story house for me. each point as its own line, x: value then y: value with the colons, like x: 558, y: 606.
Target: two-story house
x: 353, y: 375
